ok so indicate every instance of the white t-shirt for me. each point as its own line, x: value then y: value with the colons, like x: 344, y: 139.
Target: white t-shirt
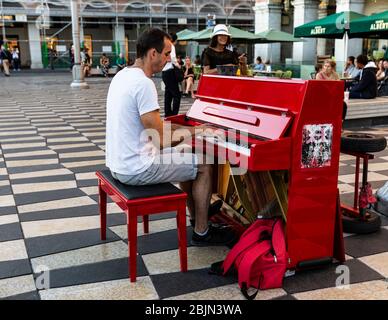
x: 131, y: 94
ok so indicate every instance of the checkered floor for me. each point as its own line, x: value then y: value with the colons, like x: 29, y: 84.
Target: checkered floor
x: 52, y: 142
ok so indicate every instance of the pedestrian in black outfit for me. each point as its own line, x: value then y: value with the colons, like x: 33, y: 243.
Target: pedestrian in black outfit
x: 172, y: 93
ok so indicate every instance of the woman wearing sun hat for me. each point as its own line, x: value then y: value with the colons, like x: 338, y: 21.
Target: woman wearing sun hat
x: 218, y: 53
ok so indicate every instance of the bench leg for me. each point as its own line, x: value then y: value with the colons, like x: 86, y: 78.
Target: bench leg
x: 145, y: 223
x: 132, y: 244
x: 102, y: 203
x: 182, y: 241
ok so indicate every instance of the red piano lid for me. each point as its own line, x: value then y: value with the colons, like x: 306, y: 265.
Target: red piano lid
x: 257, y: 122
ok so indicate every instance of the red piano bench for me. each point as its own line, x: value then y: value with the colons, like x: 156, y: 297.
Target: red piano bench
x: 142, y: 201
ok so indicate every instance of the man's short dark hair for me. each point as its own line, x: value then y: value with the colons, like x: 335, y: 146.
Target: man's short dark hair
x: 351, y: 58
x: 173, y: 37
x: 150, y: 39
x: 362, y: 59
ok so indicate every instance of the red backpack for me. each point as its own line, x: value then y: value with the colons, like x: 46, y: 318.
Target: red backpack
x: 260, y: 257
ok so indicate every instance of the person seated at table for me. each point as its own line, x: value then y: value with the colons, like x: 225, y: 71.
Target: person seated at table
x: 104, y: 65
x: 267, y: 64
x: 380, y: 74
x: 188, y: 77
x: 328, y: 71
x: 217, y: 53
x: 366, y: 88
x: 259, y: 65
x: 121, y: 62
x: 351, y: 70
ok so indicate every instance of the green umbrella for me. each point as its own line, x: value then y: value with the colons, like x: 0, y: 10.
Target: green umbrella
x: 206, y: 34
x: 193, y: 36
x: 332, y: 26
x: 374, y: 26
x: 183, y: 33
x: 272, y: 35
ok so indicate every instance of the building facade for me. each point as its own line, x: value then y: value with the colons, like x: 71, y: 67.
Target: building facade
x: 113, y: 26
x: 109, y: 25
x: 285, y: 15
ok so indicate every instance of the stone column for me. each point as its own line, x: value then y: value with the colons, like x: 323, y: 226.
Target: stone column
x: 354, y: 45
x: 304, y: 12
x: 78, y: 75
x: 35, y: 46
x: 268, y: 14
x: 119, y: 35
x: 322, y: 13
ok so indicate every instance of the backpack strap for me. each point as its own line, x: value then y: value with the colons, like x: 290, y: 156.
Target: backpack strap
x: 278, y: 240
x: 250, y: 257
x: 246, y: 241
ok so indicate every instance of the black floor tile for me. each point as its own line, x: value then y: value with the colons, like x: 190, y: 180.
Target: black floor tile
x: 7, y: 210
x: 115, y: 219
x: 160, y: 241
x: 87, y: 183
x: 88, y: 169
x: 14, y: 268
x: 159, y: 216
x: 54, y: 178
x: 36, y: 157
x: 10, y: 231
x: 79, y: 149
x: 367, y: 244
x: 45, y: 245
x: 326, y: 277
x: 178, y: 283
x: 81, y: 211
x: 34, y: 197
x: 34, y: 168
x: 96, y: 272
x: 67, y: 160
x: 5, y: 190
x: 32, y: 295
x: 6, y: 151
x: 19, y: 136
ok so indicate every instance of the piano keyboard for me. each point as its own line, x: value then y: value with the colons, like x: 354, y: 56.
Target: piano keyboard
x: 219, y: 141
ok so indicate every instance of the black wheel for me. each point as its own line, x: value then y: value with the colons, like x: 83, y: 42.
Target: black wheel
x: 355, y: 225
x: 362, y: 142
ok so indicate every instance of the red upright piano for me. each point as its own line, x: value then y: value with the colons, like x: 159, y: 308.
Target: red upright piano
x: 292, y: 125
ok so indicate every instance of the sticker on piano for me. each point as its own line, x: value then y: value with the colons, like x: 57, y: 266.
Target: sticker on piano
x: 316, y: 145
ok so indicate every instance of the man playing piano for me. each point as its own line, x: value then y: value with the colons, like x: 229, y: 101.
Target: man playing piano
x: 134, y: 158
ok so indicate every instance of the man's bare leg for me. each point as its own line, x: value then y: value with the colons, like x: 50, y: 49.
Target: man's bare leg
x: 187, y: 187
x: 201, y: 192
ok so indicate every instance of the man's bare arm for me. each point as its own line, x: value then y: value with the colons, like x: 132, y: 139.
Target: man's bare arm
x: 152, y: 120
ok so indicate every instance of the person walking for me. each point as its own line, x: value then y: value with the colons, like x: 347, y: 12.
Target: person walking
x: 6, y: 58
x: 15, y: 59
x: 52, y: 57
x: 172, y: 93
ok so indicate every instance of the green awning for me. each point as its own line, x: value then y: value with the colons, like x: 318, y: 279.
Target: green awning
x: 374, y: 26
x: 272, y: 36
x: 332, y: 26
